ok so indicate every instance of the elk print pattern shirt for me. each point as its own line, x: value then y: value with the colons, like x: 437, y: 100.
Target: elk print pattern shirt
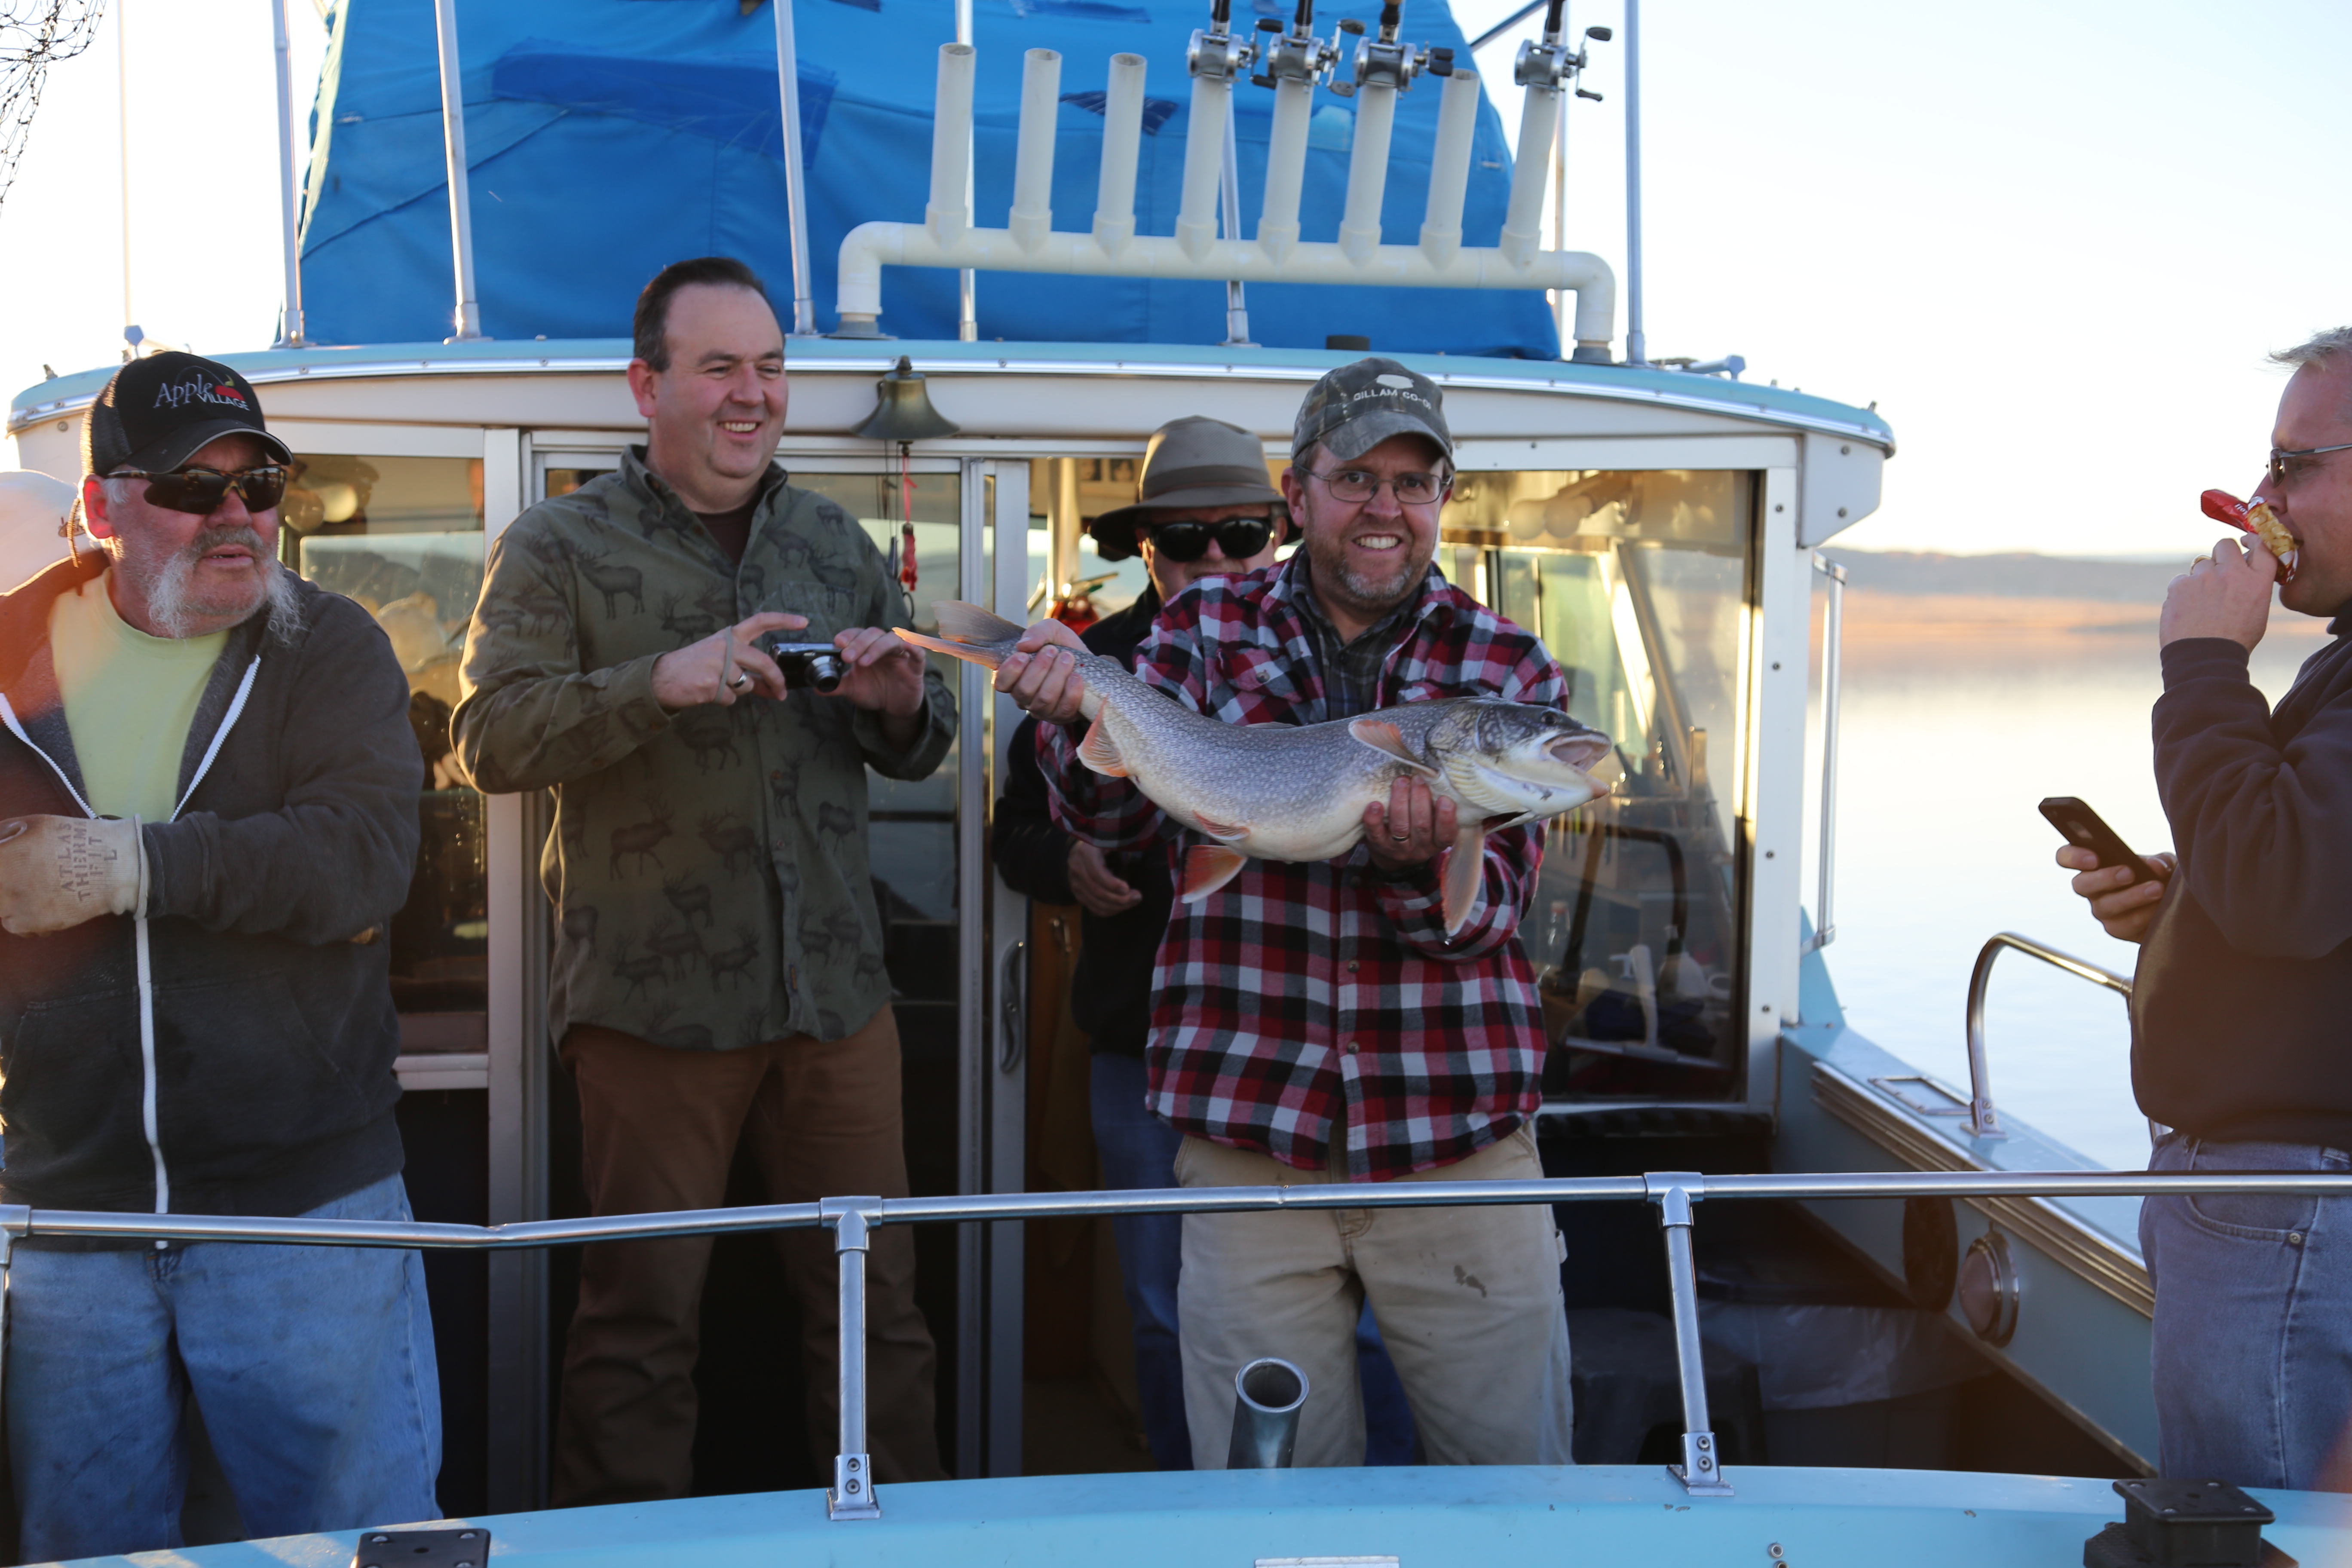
x: 708, y: 867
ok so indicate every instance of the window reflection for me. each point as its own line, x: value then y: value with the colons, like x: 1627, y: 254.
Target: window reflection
x: 403, y: 537
x: 1638, y: 584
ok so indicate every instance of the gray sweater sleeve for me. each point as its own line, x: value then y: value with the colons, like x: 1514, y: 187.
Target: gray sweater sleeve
x: 336, y: 859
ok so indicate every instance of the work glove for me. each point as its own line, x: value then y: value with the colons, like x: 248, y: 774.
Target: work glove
x: 57, y: 871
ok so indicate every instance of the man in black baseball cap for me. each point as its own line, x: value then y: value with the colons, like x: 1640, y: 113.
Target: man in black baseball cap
x: 208, y: 787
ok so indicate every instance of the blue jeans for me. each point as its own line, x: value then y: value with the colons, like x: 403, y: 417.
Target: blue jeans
x: 313, y: 1367
x: 2253, y: 1318
x: 1139, y: 1151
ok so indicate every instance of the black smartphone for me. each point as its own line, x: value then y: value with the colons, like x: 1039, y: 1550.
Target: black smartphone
x: 2082, y: 827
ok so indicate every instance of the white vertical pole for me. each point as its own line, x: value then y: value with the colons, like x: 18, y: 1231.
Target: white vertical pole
x: 122, y: 101
x: 290, y: 325
x: 1637, y: 347
x: 469, y: 315
x: 1559, y: 214
x: 968, y: 315
x: 788, y: 84
x: 1236, y: 303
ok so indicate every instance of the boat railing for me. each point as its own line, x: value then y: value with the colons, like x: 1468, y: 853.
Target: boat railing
x: 853, y: 1221
x: 1984, y: 1122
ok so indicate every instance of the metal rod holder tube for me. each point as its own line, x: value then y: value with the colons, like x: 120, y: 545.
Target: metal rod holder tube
x: 1701, y: 1470
x: 1229, y: 213
x: 1984, y: 1122
x: 1449, y: 166
x: 1368, y: 169
x: 852, y: 1494
x: 788, y: 88
x: 1033, y: 157
x: 467, y: 316
x: 1833, y: 663
x: 1286, y: 166
x: 1122, y: 145
x: 949, y: 214
x: 1268, y: 1394
x: 1205, y: 156
x: 1523, y: 214
x: 289, y: 326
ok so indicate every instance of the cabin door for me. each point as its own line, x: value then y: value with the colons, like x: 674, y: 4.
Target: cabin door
x: 955, y: 983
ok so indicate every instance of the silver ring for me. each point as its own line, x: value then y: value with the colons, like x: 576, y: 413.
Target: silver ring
x: 741, y: 681
x: 1401, y: 837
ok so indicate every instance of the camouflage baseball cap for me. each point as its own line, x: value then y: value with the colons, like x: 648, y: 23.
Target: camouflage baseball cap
x: 1357, y: 407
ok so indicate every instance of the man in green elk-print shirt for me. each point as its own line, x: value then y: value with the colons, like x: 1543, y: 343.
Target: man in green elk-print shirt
x: 718, y: 967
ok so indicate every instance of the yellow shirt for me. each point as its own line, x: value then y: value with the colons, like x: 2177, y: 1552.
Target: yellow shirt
x: 129, y: 698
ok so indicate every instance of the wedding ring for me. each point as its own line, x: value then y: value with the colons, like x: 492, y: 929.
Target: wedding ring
x: 1401, y: 837
x: 2200, y: 561
x: 741, y: 681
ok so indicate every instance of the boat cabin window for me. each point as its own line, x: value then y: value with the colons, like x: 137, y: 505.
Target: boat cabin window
x: 1639, y: 583
x: 402, y: 536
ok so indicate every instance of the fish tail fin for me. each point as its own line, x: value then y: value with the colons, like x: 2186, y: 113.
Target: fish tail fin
x: 966, y: 632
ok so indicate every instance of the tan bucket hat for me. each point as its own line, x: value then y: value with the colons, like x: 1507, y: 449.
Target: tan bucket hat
x: 1192, y: 462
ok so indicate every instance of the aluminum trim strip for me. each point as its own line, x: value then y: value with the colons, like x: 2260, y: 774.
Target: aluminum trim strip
x: 2097, y: 1257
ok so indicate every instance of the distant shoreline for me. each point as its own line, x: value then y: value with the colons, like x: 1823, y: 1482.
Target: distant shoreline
x: 1905, y: 597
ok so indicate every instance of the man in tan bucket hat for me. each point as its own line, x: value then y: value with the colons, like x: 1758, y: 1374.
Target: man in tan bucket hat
x: 1202, y: 479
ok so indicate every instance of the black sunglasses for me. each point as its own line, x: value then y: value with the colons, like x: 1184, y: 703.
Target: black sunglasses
x: 202, y: 490
x: 1239, y: 536
x: 2280, y: 474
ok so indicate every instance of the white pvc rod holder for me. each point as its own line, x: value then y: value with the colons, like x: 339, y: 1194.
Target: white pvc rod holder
x: 1286, y: 166
x: 788, y: 89
x: 1205, y: 156
x: 289, y: 327
x: 1523, y: 215
x: 948, y: 214
x: 1033, y: 157
x: 467, y: 316
x: 1368, y: 169
x: 1122, y: 145
x: 1449, y: 164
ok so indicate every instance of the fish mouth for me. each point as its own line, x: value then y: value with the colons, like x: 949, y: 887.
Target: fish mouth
x: 1579, y: 752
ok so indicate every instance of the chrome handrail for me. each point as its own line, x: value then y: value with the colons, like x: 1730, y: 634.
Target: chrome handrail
x: 1984, y: 1122
x: 852, y: 1219
x: 1832, y: 659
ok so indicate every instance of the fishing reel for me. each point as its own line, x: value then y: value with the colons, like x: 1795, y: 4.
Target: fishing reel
x: 1214, y: 52
x: 1295, y: 56
x: 1383, y: 61
x: 1548, y: 62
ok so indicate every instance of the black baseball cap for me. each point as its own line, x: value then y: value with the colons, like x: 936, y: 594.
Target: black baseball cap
x: 160, y: 411
x: 1357, y: 407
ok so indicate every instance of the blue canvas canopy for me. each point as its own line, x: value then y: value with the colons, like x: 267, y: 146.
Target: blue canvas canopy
x: 607, y: 138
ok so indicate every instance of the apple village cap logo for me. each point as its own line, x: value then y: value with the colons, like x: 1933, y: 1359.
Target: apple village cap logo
x: 201, y: 389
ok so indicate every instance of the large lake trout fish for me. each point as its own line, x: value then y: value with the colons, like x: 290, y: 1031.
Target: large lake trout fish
x: 1297, y: 791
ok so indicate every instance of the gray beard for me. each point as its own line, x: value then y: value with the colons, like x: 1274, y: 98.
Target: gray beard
x: 178, y: 614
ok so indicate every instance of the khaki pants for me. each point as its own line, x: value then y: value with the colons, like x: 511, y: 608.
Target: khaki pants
x: 659, y: 1131
x: 1467, y: 1299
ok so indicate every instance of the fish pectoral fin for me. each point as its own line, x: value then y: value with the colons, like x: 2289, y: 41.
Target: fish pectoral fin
x: 1223, y: 833
x: 1465, y: 869
x: 1100, y: 752
x: 1382, y: 735
x: 1207, y: 868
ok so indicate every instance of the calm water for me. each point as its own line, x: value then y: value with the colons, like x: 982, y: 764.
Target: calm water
x: 1947, y: 747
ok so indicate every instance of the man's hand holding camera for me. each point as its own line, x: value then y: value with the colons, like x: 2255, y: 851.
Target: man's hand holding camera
x: 877, y: 671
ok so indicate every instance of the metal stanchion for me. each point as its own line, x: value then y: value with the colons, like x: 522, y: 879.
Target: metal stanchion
x: 852, y: 1495
x: 1701, y: 1471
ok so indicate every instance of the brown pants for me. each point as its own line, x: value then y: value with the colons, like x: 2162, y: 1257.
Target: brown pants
x: 660, y: 1128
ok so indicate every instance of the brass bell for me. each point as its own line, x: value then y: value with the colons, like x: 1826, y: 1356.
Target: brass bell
x: 903, y: 410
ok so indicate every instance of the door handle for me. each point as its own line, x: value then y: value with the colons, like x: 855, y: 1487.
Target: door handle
x: 1013, y: 1042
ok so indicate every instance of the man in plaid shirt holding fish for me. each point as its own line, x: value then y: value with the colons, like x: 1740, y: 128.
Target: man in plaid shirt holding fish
x: 1314, y: 1022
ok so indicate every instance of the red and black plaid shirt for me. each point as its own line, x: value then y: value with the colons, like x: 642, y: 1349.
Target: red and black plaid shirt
x: 1299, y: 998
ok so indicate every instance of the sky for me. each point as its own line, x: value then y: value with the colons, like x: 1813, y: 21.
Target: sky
x: 2052, y: 245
